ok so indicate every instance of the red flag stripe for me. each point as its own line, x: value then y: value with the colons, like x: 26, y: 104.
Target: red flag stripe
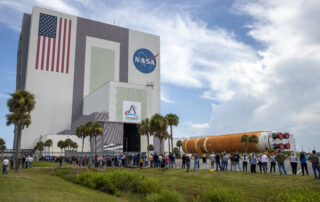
x: 53, y: 52
x: 43, y: 49
x: 38, y: 50
x: 59, y: 39
x: 68, y: 53
x: 48, y: 53
x: 64, y: 44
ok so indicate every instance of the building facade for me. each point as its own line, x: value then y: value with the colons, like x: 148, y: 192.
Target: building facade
x: 81, y: 70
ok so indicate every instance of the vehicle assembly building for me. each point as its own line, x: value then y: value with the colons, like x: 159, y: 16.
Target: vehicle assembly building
x: 81, y: 70
x: 267, y: 141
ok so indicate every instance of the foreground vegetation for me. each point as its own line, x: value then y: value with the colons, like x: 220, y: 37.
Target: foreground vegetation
x: 197, y: 186
x: 70, y: 183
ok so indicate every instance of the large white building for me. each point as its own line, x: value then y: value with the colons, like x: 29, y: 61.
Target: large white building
x: 81, y: 70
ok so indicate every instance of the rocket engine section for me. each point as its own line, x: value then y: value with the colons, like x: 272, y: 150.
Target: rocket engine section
x: 267, y: 141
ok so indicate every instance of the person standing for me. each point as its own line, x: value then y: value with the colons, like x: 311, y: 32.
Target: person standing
x: 11, y: 162
x: 260, y: 162
x: 280, y: 158
x: 225, y: 162
x: 5, y: 164
x: 231, y: 161
x: 188, y: 163
x: 204, y: 162
x: 30, y: 159
x: 236, y: 159
x: 141, y: 161
x: 184, y: 158
x: 23, y: 161
x: 212, y: 158
x: 218, y: 165
x: 272, y: 163
x: 244, y: 162
x: 294, y: 163
x: 314, y: 158
x: 253, y: 163
x: 264, y: 161
x: 303, y: 161
x: 196, y: 163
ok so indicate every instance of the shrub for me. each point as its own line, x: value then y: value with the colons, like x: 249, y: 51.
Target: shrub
x: 164, y: 196
x: 113, y: 182
x: 293, y: 197
x: 217, y: 195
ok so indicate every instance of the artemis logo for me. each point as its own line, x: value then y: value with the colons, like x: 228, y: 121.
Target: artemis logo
x: 144, y: 60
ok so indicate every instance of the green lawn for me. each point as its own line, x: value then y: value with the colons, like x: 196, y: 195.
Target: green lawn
x: 41, y: 184
x: 253, y: 187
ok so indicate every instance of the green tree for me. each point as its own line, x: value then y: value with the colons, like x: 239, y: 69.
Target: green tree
x: 159, y: 126
x: 244, y: 140
x: 89, y: 132
x: 40, y: 147
x: 2, y: 145
x: 20, y: 106
x: 179, y: 144
x: 48, y: 143
x: 61, y: 145
x: 96, y: 131
x: 253, y: 140
x: 81, y: 133
x: 145, y: 129
x: 74, y: 146
x: 173, y: 120
x: 67, y: 143
x: 151, y: 147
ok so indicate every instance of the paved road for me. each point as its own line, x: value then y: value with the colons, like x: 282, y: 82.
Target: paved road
x: 287, y: 166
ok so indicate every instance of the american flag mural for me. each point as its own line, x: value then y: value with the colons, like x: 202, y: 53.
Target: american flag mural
x: 53, y: 46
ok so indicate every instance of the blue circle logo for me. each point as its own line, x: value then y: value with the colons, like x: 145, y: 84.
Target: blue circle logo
x: 144, y: 60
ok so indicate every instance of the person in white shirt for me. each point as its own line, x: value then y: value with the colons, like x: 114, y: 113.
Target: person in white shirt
x: 30, y: 159
x: 5, y: 165
x: 264, y: 160
x: 294, y: 163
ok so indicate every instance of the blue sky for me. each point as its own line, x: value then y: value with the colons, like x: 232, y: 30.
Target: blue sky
x: 226, y: 66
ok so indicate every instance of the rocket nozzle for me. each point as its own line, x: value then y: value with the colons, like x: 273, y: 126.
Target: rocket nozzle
x: 286, y: 136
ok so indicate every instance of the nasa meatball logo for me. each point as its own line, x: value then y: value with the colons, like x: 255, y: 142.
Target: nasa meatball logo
x: 144, y: 60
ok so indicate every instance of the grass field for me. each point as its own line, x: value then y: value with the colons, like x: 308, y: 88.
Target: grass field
x: 41, y: 184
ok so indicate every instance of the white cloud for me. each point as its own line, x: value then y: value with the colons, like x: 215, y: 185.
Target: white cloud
x: 4, y: 96
x: 275, y: 88
x: 196, y: 125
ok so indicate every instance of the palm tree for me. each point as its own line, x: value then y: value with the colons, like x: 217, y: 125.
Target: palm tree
x: 67, y: 143
x: 81, y: 133
x: 253, y: 140
x: 97, y: 130
x: 2, y: 145
x: 40, y: 147
x: 244, y: 140
x: 179, y: 144
x: 61, y: 145
x: 145, y: 129
x: 48, y: 143
x: 74, y: 146
x: 173, y: 120
x: 20, y: 106
x: 159, y: 126
x: 89, y: 132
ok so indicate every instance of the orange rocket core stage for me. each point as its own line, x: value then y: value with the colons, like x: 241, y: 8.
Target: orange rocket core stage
x: 217, y: 144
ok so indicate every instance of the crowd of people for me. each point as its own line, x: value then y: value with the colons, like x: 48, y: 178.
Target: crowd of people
x: 219, y: 161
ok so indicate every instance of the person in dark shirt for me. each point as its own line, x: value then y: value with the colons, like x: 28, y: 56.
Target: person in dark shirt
x: 218, y: 162
x: 188, y: 163
x: 236, y: 159
x: 204, y: 162
x: 184, y: 158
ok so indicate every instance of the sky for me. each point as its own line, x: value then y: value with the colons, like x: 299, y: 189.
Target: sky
x: 226, y: 66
